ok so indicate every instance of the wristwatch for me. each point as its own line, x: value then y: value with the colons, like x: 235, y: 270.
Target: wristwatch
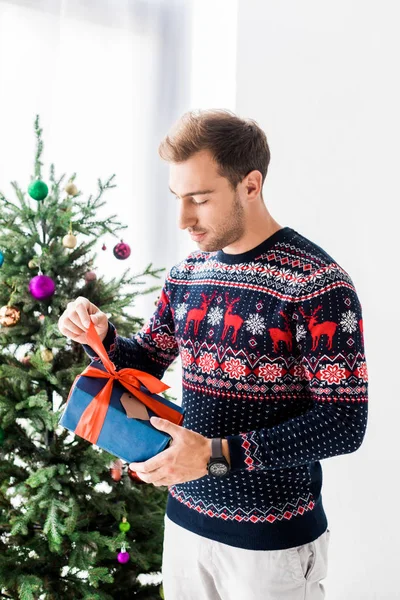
x: 217, y: 466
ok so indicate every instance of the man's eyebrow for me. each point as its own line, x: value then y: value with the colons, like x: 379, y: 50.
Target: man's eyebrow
x: 198, y: 193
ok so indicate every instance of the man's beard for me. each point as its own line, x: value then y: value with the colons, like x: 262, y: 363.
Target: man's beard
x: 231, y: 230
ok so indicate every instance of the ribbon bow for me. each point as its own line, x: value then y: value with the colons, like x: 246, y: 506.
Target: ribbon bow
x: 92, y: 419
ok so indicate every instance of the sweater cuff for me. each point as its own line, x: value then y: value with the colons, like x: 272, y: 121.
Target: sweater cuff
x: 237, y: 454
x: 108, y: 343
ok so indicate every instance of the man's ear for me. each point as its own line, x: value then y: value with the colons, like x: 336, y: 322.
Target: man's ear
x: 252, y: 184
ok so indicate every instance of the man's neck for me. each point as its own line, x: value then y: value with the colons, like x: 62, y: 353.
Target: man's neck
x: 256, y: 233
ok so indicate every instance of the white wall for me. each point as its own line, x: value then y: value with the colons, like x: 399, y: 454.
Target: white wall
x: 213, y: 43
x: 322, y: 80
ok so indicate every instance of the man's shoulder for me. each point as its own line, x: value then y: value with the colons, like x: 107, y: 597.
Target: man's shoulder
x: 313, y: 262
x: 191, y: 263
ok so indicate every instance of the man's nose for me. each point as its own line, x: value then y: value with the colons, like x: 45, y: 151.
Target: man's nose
x: 186, y: 217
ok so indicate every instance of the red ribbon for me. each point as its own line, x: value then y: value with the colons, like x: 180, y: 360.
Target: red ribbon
x: 92, y: 419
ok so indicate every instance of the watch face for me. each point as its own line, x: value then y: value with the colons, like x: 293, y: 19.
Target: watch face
x: 218, y: 469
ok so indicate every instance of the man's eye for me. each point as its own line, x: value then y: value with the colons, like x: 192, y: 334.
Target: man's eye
x: 202, y: 202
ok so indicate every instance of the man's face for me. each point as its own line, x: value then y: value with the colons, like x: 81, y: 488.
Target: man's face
x: 215, y: 219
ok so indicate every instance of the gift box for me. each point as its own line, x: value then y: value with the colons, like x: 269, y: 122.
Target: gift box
x: 112, y: 409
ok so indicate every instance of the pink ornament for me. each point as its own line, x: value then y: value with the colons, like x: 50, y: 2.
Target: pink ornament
x: 122, y: 251
x: 123, y: 557
x: 90, y: 276
x: 42, y: 287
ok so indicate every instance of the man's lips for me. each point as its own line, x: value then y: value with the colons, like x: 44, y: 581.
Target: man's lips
x: 197, y: 236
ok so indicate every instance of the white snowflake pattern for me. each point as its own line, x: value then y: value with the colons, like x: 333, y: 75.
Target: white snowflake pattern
x: 302, y: 372
x: 349, y: 321
x: 256, y: 324
x: 207, y: 362
x: 186, y: 357
x: 270, y: 372
x: 301, y: 332
x: 333, y: 374
x: 235, y: 368
x: 165, y: 341
x: 363, y: 371
x: 215, y: 315
x: 181, y: 311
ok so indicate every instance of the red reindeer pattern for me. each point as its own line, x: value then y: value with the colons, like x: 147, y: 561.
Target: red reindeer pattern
x: 361, y: 325
x: 281, y: 335
x: 231, y: 320
x: 327, y: 328
x: 197, y: 314
x: 164, y: 300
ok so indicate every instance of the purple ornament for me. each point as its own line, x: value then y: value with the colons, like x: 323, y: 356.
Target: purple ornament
x: 123, y: 557
x: 122, y: 251
x: 42, y: 287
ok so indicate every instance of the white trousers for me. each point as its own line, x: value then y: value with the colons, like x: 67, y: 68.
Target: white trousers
x: 197, y: 568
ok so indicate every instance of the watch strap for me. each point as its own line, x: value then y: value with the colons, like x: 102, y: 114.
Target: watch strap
x: 216, y: 448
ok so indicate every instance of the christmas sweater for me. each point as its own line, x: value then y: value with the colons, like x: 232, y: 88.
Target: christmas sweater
x: 272, y: 353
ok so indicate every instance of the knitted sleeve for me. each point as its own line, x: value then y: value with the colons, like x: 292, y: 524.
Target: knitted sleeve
x: 152, y: 349
x: 331, y: 364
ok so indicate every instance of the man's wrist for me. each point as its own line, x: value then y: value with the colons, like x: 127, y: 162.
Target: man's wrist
x: 225, y: 450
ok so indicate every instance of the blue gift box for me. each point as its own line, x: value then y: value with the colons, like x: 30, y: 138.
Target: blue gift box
x: 131, y: 439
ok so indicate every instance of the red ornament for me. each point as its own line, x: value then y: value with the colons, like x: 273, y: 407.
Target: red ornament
x: 134, y: 476
x: 122, y: 251
x: 26, y: 360
x: 104, y: 247
x: 116, y: 470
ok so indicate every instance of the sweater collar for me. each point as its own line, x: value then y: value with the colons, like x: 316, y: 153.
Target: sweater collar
x: 254, y: 252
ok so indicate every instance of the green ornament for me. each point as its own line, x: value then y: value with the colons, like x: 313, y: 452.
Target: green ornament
x: 38, y: 190
x: 161, y: 592
x: 2, y: 436
x: 124, y: 526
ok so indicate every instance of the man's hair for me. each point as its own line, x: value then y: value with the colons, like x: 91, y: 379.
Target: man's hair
x: 237, y: 145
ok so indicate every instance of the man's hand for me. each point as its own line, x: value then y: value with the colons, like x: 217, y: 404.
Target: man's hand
x: 184, y: 460
x: 75, y: 320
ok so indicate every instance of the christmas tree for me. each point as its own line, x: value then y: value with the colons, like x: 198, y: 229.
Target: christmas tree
x: 68, y: 512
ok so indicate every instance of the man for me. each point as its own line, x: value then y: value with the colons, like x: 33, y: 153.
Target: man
x: 269, y: 330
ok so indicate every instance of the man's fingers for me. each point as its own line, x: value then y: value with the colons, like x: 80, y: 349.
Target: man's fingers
x: 75, y: 319
x: 69, y: 326
x: 68, y: 333
x: 83, y: 316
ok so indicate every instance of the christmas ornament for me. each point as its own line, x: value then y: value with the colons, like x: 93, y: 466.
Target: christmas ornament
x: 134, y: 476
x: 42, y: 287
x: 47, y: 355
x: 104, y: 247
x: 32, y: 264
x: 122, y: 251
x: 1, y: 259
x: 90, y: 276
x: 69, y: 240
x: 38, y: 190
x: 41, y: 318
x: 26, y: 360
x: 161, y: 590
x: 124, y: 526
x: 71, y: 189
x: 9, y: 316
x: 116, y: 470
x: 123, y: 556
x: 2, y: 436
